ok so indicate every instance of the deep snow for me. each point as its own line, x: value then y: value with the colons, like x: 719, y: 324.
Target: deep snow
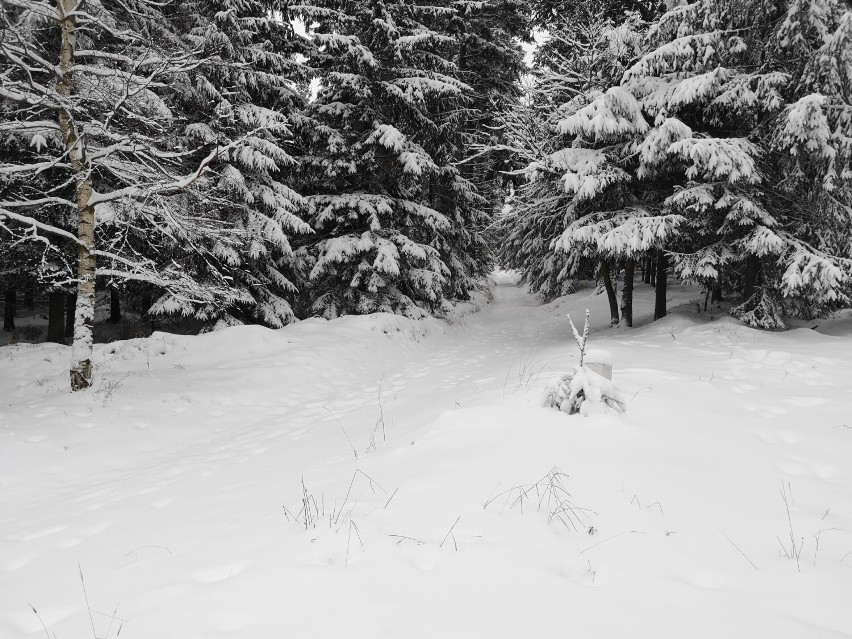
x: 176, y: 484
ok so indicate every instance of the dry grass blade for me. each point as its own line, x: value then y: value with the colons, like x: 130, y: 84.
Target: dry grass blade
x: 450, y: 534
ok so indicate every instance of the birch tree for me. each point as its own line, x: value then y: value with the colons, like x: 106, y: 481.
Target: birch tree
x: 108, y: 167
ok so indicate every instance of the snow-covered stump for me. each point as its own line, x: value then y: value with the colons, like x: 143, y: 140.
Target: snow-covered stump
x: 588, y: 389
x: 599, y: 362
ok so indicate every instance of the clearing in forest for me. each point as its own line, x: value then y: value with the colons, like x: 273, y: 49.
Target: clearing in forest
x: 380, y: 477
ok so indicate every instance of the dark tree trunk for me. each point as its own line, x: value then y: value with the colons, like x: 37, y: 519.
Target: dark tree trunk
x: 627, y: 292
x: 56, y: 317
x: 652, y: 273
x: 29, y: 296
x: 70, y: 309
x: 752, y: 272
x: 716, y: 293
x: 114, y: 306
x: 11, y: 301
x: 660, y: 285
x: 610, y: 294
x: 146, y: 302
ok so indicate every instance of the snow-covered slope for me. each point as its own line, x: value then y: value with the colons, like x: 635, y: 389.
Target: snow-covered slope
x: 442, y: 500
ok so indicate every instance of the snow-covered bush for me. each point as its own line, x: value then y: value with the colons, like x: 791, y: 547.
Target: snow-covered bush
x: 586, y: 389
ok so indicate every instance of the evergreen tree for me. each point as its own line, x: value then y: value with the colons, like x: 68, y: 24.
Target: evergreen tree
x: 740, y: 93
x: 247, y: 85
x: 392, y: 214
x: 490, y: 61
x: 727, y: 145
x: 578, y: 62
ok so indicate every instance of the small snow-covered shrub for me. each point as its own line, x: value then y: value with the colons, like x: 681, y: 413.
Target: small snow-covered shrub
x: 585, y: 392
x: 588, y: 389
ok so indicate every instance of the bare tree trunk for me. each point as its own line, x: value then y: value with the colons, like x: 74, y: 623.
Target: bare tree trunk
x: 81, y: 355
x: 29, y: 296
x: 56, y: 316
x: 11, y: 300
x: 627, y: 292
x: 752, y: 272
x: 610, y: 293
x: 70, y: 309
x: 716, y: 294
x: 114, y: 306
x: 660, y: 284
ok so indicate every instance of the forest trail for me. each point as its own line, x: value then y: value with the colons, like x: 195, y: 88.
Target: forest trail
x: 178, y: 484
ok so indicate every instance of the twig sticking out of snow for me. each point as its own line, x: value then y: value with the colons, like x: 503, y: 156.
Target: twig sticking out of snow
x: 739, y: 550
x: 86, y: 597
x: 352, y: 525
x: 581, y: 342
x: 603, y: 541
x: 793, y: 552
x: 588, y: 388
x: 41, y: 621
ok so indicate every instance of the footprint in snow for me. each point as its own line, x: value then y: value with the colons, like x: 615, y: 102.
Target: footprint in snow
x: 219, y: 573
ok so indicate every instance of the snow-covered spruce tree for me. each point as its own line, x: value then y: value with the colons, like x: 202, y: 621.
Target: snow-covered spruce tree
x: 490, y: 61
x: 245, y: 87
x: 718, y: 148
x: 388, y: 205
x: 810, y: 153
x: 583, y: 57
x: 108, y: 169
x: 750, y: 105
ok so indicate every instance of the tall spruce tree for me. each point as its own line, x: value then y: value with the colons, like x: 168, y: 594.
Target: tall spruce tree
x: 249, y: 81
x: 392, y: 214
x: 490, y: 60
x: 584, y: 55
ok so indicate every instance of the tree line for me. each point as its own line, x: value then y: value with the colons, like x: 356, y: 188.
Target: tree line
x: 174, y: 149
x: 214, y: 162
x: 708, y: 141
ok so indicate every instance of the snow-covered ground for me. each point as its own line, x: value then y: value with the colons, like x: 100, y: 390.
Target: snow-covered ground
x: 442, y: 500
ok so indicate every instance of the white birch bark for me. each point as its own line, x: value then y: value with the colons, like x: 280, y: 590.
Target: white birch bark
x: 84, y: 317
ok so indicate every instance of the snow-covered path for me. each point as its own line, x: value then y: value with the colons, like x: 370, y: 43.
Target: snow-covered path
x: 178, y: 484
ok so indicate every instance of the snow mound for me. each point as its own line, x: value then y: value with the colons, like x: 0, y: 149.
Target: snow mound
x: 503, y: 277
x: 583, y: 391
x: 395, y: 326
